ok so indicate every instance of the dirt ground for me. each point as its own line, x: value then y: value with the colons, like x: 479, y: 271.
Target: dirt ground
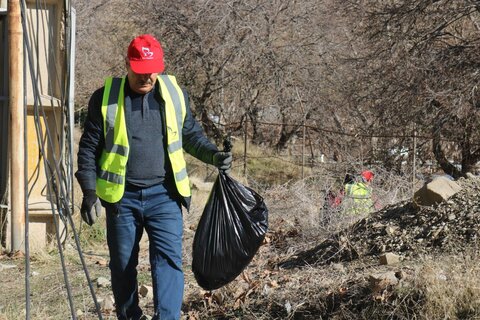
x: 287, y: 279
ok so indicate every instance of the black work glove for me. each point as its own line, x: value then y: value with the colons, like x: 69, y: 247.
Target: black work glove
x: 223, y: 161
x: 91, y: 207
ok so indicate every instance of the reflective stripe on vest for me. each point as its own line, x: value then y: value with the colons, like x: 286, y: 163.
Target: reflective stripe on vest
x: 111, y: 178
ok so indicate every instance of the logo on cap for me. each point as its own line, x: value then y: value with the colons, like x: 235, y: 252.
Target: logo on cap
x: 147, y: 54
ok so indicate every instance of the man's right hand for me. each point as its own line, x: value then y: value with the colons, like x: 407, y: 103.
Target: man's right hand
x: 91, y: 207
x: 223, y: 161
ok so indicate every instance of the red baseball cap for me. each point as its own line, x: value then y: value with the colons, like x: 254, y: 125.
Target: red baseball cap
x: 367, y: 175
x: 145, y: 55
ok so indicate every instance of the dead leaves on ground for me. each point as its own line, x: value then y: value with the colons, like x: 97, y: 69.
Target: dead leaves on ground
x: 248, y: 287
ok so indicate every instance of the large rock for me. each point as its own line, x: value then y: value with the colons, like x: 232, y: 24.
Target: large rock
x: 381, y: 283
x: 439, y: 190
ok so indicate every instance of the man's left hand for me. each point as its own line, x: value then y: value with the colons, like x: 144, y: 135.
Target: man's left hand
x: 223, y: 161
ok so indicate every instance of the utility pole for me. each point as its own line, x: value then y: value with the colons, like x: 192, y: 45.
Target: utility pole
x: 17, y: 125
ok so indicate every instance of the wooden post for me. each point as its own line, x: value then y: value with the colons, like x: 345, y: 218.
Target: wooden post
x: 17, y: 125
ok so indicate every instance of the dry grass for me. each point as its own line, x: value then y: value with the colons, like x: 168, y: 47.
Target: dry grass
x: 450, y: 287
x: 441, y: 287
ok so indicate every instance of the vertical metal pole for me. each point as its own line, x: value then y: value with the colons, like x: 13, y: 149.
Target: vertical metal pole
x: 27, y: 216
x: 245, y: 147
x: 303, y: 138
x: 71, y: 98
x: 414, y: 158
x: 303, y: 150
x: 4, y: 139
x: 17, y: 128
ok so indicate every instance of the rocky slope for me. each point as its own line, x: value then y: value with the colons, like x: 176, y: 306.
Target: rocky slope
x: 404, y: 229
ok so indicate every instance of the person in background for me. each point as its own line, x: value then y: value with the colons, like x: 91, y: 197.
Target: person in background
x: 131, y: 160
x: 359, y: 194
x: 349, y: 178
x: 333, y: 200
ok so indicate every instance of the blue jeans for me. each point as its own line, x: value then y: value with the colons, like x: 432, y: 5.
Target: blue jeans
x: 156, y: 211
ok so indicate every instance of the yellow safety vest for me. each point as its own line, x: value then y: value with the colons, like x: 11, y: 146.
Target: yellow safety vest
x: 362, y: 198
x: 110, y: 183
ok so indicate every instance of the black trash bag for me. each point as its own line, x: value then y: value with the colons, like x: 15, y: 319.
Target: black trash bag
x: 231, y: 229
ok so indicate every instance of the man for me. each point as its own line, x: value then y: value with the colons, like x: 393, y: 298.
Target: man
x: 130, y: 157
x: 360, y: 194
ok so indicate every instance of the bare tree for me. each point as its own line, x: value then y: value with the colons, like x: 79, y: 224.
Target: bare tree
x: 247, y: 60
x: 420, y: 68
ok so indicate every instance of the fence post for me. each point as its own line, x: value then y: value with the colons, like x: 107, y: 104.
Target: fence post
x: 303, y: 150
x: 303, y: 138
x: 414, y: 158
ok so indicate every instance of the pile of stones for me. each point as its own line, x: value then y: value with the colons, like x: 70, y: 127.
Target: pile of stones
x: 405, y: 229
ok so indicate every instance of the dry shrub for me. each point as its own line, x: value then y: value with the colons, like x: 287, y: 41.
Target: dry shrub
x: 450, y: 287
x: 297, y: 202
x: 304, y: 201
